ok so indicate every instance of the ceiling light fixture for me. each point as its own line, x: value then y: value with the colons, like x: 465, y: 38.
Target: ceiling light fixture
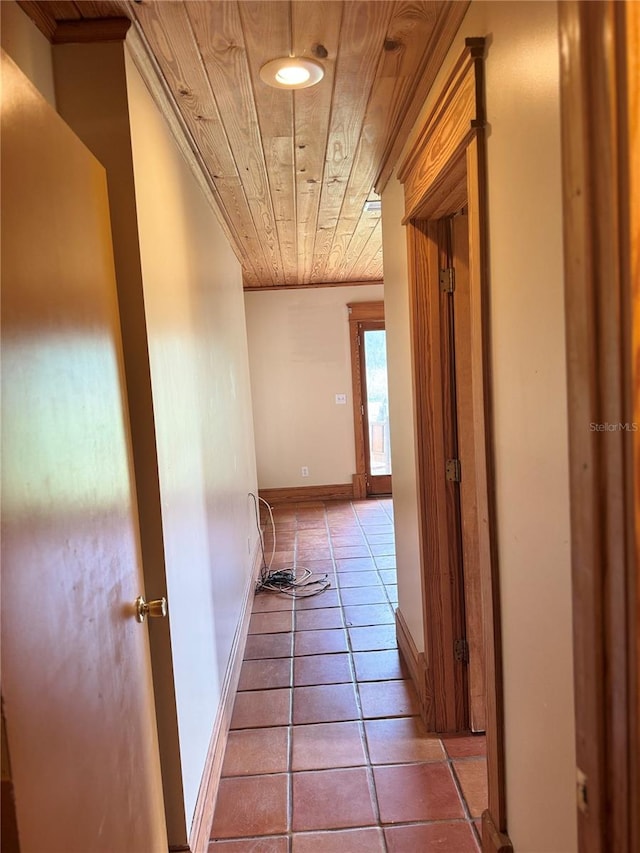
x: 292, y: 72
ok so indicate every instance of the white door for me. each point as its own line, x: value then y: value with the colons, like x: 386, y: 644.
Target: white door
x: 76, y: 678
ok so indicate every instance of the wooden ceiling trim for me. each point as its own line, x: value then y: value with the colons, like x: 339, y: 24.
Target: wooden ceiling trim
x: 217, y: 32
x: 90, y: 30
x: 150, y: 72
x: 316, y: 285
x: 452, y: 121
x: 317, y: 22
x: 449, y: 20
x: 266, y: 32
x: 168, y: 32
x: 361, y: 37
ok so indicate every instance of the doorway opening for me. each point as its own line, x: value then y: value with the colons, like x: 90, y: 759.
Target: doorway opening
x: 370, y: 399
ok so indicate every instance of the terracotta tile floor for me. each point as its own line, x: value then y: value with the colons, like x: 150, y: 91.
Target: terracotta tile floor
x: 327, y: 753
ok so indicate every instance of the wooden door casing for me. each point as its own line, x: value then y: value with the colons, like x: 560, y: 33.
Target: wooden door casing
x: 443, y: 171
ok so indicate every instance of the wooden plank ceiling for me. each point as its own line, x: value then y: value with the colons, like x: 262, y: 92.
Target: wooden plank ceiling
x: 291, y: 170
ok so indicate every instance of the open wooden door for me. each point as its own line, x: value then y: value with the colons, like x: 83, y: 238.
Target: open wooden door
x: 76, y: 686
x: 456, y: 436
x: 443, y: 174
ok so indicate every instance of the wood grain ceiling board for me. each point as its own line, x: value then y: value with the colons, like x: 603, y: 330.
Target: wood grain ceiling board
x: 291, y: 170
x: 409, y: 29
x: 313, y: 23
x: 219, y: 38
x: 362, y: 262
x: 168, y: 30
x: 362, y: 34
x: 267, y: 31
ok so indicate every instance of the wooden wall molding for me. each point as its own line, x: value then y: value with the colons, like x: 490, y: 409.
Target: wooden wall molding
x: 443, y: 34
x: 302, y: 494
x: 90, y: 30
x: 205, y: 804
x: 76, y: 31
x: 458, y: 112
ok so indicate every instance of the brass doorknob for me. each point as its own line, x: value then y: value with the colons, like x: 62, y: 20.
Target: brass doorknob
x: 156, y: 609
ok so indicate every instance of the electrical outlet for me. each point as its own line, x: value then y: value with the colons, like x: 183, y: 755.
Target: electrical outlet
x: 304, y: 471
x: 341, y: 399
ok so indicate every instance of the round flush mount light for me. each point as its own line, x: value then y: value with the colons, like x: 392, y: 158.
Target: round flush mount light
x: 292, y: 72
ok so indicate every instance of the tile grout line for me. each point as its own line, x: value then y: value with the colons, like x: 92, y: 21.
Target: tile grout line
x: 373, y: 794
x: 369, y: 767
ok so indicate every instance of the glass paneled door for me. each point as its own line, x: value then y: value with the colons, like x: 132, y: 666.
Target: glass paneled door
x: 376, y: 408
x: 370, y: 399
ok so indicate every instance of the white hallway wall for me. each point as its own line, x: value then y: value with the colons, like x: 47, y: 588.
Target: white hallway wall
x: 529, y: 375
x: 202, y: 410
x: 299, y: 360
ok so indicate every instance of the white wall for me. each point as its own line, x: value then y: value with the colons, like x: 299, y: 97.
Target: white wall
x: 403, y: 446
x: 300, y: 359
x: 529, y: 375
x: 202, y: 406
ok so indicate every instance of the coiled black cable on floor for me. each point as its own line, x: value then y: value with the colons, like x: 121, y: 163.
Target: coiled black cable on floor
x: 295, y: 581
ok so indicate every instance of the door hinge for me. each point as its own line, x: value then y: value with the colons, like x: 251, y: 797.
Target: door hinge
x: 362, y: 409
x: 447, y: 280
x: 453, y: 470
x: 461, y: 650
x: 581, y: 790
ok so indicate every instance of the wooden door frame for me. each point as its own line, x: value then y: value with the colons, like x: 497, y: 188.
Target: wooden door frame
x: 600, y: 97
x: 444, y: 170
x: 360, y: 312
